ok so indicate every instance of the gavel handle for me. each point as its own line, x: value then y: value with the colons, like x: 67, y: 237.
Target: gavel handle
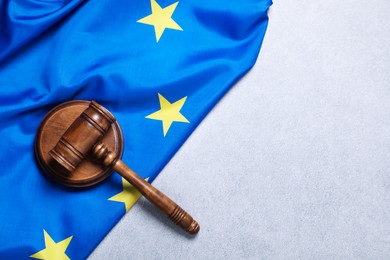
x: 170, y: 208
x: 165, y: 204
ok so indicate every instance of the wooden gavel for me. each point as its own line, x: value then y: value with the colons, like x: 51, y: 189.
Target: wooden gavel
x: 84, y: 138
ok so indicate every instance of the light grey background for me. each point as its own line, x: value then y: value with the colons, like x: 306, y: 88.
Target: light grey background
x: 294, y: 162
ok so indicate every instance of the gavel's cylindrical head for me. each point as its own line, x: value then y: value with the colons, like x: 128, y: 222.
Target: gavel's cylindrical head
x: 81, y: 136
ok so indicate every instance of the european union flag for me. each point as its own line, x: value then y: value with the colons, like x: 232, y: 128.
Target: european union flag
x: 158, y: 65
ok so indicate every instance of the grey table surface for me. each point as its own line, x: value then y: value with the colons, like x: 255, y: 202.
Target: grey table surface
x: 294, y: 162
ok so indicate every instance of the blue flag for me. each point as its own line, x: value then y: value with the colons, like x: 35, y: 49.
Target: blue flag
x: 158, y: 65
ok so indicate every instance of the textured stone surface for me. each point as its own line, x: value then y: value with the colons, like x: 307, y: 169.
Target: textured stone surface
x: 294, y: 163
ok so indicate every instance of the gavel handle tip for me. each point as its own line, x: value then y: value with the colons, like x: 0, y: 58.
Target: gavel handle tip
x: 194, y: 228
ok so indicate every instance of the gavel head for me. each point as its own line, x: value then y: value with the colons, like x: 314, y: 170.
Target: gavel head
x: 66, y: 137
x: 81, y: 136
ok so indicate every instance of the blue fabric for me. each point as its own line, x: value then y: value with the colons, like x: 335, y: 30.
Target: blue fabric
x: 59, y: 50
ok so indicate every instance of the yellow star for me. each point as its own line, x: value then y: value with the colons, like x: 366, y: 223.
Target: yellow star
x: 129, y: 195
x: 161, y: 18
x: 52, y: 249
x: 169, y: 113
